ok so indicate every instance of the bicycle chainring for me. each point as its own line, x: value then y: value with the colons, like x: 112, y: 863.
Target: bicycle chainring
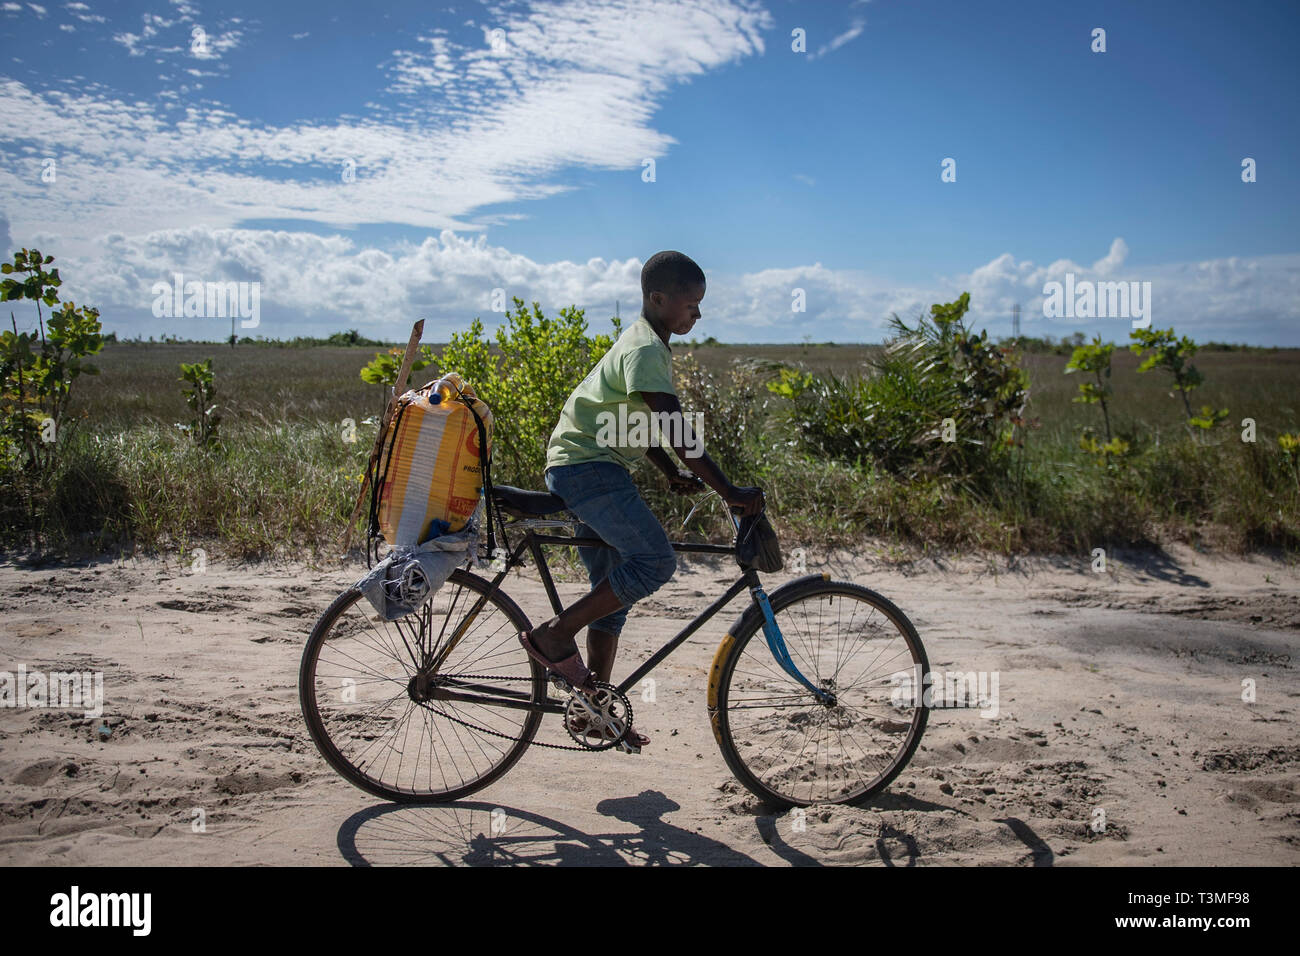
x: 600, y: 720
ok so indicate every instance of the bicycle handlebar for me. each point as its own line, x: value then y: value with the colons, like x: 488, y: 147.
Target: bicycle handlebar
x: 732, y: 513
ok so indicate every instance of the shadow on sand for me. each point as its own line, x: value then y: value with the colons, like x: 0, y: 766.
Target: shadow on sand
x: 487, y: 834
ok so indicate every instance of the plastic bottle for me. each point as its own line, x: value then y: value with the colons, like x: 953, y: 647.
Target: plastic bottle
x: 447, y: 388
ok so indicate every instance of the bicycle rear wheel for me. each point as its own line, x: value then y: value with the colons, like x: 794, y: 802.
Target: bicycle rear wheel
x: 781, y: 742
x: 372, y: 706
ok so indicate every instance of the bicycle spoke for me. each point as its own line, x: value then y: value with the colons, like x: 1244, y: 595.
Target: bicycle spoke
x: 798, y: 747
x: 366, y: 687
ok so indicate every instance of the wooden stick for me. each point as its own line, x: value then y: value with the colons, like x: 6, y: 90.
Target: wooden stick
x: 412, y: 347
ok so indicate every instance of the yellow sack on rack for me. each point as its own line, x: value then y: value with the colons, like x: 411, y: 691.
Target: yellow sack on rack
x: 432, y: 464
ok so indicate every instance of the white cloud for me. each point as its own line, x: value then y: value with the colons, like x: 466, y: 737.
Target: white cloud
x: 1113, y: 259
x: 212, y: 46
x: 578, y: 86
x: 318, y: 284
x: 182, y: 35
x: 82, y: 12
x: 329, y: 282
x: 1232, y: 299
x: 857, y: 24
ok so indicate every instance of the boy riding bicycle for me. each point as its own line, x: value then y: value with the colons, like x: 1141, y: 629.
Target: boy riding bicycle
x: 604, y: 429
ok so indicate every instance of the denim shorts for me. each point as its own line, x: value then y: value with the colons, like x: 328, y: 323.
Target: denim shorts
x: 640, y: 560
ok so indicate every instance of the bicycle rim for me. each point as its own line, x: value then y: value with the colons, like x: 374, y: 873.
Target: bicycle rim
x: 355, y: 689
x: 784, y: 745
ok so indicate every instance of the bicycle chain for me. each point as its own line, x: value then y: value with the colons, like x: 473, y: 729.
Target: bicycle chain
x: 533, y: 743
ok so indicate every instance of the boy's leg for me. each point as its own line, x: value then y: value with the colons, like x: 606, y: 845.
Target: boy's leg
x: 602, y: 635
x: 604, y: 498
x: 582, y: 493
x: 554, y: 638
x: 602, y: 648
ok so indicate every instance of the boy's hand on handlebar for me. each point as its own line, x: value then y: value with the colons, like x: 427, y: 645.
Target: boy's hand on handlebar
x: 685, y: 483
x: 745, y: 501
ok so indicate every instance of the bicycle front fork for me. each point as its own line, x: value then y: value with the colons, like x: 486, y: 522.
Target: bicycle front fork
x: 776, y: 644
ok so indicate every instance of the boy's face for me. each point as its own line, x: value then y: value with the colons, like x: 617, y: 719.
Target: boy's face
x: 679, y: 311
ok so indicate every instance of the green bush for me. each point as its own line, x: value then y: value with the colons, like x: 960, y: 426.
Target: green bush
x: 939, y: 400
x: 200, y: 390
x: 734, y: 410
x: 282, y: 480
x: 37, y: 368
x: 525, y: 380
x: 1173, y: 355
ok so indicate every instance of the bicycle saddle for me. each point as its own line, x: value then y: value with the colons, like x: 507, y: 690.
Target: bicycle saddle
x: 526, y: 504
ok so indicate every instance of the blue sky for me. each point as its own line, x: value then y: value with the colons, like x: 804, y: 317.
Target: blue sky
x: 502, y: 146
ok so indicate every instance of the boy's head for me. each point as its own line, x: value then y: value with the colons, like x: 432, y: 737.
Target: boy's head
x: 672, y: 286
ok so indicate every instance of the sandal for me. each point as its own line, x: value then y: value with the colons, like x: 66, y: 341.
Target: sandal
x: 570, y: 668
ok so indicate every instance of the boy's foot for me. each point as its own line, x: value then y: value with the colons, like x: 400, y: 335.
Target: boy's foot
x: 552, y: 646
x: 570, y: 668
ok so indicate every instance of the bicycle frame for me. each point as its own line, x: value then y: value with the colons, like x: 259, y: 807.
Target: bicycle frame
x: 533, y: 543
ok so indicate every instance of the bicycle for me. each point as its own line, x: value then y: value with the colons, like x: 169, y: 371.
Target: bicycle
x: 445, y: 701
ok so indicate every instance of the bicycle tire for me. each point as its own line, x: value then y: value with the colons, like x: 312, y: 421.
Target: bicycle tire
x: 724, y: 698
x: 329, y: 735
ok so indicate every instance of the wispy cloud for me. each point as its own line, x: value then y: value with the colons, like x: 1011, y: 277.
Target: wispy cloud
x: 183, y: 34
x: 857, y: 24
x: 82, y: 12
x: 565, y: 86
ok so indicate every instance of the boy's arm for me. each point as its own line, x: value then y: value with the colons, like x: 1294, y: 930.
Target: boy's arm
x: 749, y: 500
x: 682, y: 482
x: 659, y: 458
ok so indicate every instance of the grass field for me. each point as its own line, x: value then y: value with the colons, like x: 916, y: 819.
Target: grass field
x: 259, y: 385
x: 285, y: 475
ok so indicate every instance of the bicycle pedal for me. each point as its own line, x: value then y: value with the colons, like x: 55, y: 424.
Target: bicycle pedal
x: 559, y: 683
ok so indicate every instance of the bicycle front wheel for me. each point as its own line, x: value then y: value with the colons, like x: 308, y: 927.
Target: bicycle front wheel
x: 785, y: 745
x: 375, y: 693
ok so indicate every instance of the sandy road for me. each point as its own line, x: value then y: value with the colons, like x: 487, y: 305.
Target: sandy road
x: 1119, y: 692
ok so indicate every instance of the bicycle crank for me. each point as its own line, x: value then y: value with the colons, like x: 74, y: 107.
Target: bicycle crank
x: 599, y: 720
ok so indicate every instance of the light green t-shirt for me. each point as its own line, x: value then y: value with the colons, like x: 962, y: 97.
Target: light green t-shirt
x: 600, y: 420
